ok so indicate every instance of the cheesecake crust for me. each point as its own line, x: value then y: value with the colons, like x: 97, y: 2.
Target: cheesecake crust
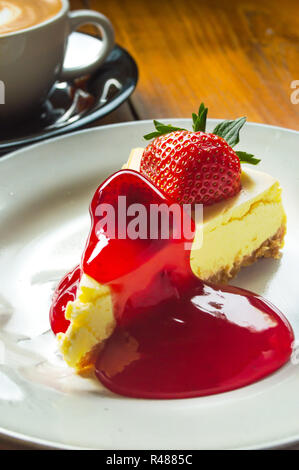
x: 270, y: 248
x: 86, y: 365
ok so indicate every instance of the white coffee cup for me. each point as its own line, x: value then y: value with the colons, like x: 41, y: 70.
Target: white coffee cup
x: 32, y: 59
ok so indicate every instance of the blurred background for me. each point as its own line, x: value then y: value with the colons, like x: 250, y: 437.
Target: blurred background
x: 238, y: 56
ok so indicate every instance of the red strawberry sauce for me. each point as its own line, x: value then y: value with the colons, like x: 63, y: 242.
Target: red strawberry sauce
x: 176, y: 336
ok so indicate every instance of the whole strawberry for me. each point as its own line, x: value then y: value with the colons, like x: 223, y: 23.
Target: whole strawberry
x: 196, y: 167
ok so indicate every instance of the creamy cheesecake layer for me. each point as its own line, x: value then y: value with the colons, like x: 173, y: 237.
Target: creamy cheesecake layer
x: 92, y: 321
x: 234, y: 229
x: 236, y: 232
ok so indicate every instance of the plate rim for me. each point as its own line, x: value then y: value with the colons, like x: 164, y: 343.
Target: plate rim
x: 37, y: 443
x: 71, y: 134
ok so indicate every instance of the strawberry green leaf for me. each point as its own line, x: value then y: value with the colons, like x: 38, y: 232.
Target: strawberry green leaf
x: 201, y: 108
x: 194, y: 118
x: 200, y: 119
x: 152, y: 135
x: 162, y: 129
x: 247, y: 158
x: 165, y: 128
x: 229, y: 130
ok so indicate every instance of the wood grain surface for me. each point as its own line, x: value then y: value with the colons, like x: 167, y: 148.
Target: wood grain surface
x: 239, y: 57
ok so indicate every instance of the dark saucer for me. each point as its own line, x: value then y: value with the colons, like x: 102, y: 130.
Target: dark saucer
x: 72, y: 105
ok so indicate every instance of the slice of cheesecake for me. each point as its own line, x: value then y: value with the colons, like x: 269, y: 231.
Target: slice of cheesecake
x: 236, y: 231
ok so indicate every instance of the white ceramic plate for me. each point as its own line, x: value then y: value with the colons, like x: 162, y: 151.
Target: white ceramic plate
x: 44, y: 196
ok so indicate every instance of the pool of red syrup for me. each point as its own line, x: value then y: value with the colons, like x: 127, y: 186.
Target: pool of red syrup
x: 176, y: 336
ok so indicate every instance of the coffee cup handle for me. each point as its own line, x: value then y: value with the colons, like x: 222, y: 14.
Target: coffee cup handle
x: 82, y: 17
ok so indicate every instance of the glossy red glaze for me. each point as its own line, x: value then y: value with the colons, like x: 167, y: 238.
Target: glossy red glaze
x: 176, y: 337
x: 64, y: 292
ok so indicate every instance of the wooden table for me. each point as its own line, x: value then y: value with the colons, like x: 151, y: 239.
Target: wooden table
x: 239, y: 57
